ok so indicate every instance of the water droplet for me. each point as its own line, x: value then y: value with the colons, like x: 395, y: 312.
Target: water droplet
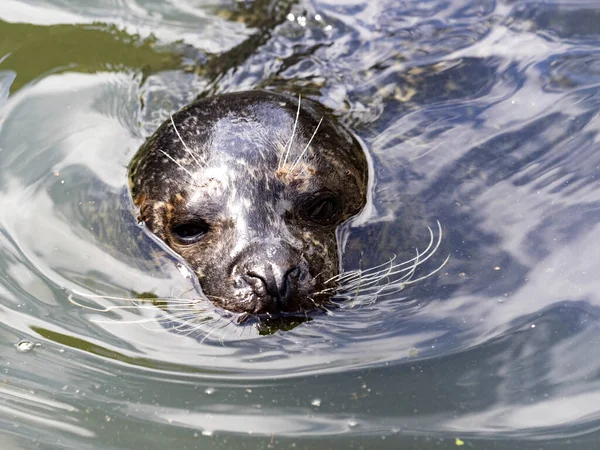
x: 25, y: 346
x: 184, y: 271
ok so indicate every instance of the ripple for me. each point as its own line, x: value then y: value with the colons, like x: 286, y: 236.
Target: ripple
x: 482, y: 115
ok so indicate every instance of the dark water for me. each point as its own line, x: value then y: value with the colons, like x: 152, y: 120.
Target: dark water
x: 480, y: 114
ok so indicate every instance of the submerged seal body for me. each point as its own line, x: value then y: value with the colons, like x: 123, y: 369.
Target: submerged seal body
x: 249, y: 189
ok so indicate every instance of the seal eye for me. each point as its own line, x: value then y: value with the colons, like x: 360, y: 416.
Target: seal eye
x: 324, y: 210
x: 190, y: 232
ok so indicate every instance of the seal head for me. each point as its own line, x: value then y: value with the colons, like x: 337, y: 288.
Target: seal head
x: 249, y: 189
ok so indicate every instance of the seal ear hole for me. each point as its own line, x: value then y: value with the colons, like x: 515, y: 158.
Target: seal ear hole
x: 324, y: 209
x: 190, y: 232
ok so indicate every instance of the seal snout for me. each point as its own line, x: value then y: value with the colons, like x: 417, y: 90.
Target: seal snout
x: 276, y: 276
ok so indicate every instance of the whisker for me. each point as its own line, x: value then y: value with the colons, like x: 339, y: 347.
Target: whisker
x: 321, y: 306
x: 125, y: 322
x: 182, y: 321
x: 375, y: 278
x: 289, y: 145
x: 378, y: 281
x: 342, y: 276
x: 164, y: 322
x: 325, y: 291
x: 429, y: 252
x: 306, y: 148
x: 397, y: 287
x: 135, y: 300
x: 359, y: 272
x: 111, y: 297
x: 358, y: 286
x: 107, y: 308
x: 429, y: 274
x: 213, y: 331
x: 187, y: 149
x: 177, y: 162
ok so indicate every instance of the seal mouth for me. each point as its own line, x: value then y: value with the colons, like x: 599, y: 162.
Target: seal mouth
x: 267, y: 305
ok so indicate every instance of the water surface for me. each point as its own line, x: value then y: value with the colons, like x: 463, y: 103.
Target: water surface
x: 482, y: 115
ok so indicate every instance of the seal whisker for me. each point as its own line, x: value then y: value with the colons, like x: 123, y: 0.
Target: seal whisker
x: 400, y: 286
x: 125, y: 322
x: 371, y: 284
x: 306, y: 148
x: 137, y: 301
x: 154, y: 329
x: 289, y: 144
x: 192, y: 306
x: 368, y: 278
x: 107, y: 308
x: 112, y: 297
x: 358, y: 272
x: 185, y: 321
x: 177, y: 162
x: 212, y: 332
x: 375, y: 279
x: 229, y: 330
x: 320, y: 306
x: 180, y: 314
x: 187, y: 149
x: 427, y: 249
x: 188, y: 327
x: 226, y: 327
x: 427, y: 253
x: 325, y: 291
x: 303, y: 169
x: 163, y: 321
x: 430, y: 273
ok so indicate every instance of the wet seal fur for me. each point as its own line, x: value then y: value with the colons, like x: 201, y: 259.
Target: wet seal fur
x: 249, y: 188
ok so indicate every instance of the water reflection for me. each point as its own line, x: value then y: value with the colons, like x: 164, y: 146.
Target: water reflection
x: 482, y: 115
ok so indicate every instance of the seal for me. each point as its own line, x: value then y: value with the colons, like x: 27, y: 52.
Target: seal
x: 249, y: 188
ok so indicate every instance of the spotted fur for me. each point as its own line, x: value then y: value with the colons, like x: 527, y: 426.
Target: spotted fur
x: 248, y: 165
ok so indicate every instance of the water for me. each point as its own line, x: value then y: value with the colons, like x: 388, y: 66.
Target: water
x: 482, y: 115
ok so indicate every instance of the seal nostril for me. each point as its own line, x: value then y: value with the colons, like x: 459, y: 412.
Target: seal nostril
x: 292, y: 275
x: 271, y: 280
x: 262, y: 282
